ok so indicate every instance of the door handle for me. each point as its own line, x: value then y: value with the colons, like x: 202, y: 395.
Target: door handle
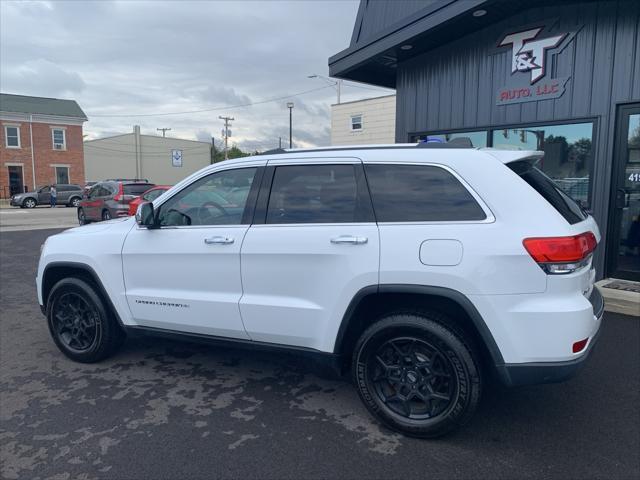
x: 218, y: 240
x: 349, y: 239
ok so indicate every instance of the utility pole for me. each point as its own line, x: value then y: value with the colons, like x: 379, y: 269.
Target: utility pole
x: 163, y: 130
x: 290, y: 107
x: 226, y: 133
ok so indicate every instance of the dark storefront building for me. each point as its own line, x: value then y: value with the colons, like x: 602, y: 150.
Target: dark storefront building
x: 558, y: 76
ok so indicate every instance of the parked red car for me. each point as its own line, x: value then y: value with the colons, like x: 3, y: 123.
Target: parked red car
x: 148, y: 196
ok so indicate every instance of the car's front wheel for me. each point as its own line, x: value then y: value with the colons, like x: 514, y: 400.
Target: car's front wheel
x: 82, y: 217
x: 106, y: 215
x: 29, y: 203
x: 80, y: 324
x: 417, y: 375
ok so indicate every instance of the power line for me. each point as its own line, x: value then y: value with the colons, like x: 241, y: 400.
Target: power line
x: 276, y: 99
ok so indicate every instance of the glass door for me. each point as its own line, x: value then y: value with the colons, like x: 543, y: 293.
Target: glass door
x: 624, y: 251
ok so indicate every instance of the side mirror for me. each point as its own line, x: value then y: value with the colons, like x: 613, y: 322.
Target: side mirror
x: 145, y: 216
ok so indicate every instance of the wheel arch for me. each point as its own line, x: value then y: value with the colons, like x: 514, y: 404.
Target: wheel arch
x: 56, y: 271
x: 374, y: 301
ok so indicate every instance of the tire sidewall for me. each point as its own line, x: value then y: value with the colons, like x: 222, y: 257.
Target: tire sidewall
x: 77, y: 286
x: 82, y: 217
x: 466, y: 392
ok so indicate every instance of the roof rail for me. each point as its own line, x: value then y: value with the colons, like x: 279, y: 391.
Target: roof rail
x: 459, y: 142
x: 273, y: 151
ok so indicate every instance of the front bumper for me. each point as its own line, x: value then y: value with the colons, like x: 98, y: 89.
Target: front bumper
x: 15, y: 202
x: 517, y: 374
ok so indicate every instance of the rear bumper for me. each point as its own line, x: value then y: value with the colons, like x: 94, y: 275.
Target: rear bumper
x: 517, y: 374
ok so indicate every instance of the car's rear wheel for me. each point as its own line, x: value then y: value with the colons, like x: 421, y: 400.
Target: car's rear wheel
x: 74, y: 202
x: 417, y: 375
x: 29, y: 203
x: 80, y: 324
x: 106, y: 215
x: 82, y: 217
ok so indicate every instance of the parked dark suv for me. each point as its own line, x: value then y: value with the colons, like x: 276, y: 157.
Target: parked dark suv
x: 68, y: 194
x: 109, y: 199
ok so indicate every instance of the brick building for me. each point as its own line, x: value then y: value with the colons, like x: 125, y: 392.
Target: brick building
x: 40, y: 142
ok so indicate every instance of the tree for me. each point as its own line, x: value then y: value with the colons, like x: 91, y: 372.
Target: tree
x: 234, y: 152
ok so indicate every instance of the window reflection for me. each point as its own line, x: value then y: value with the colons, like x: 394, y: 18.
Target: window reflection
x: 567, y: 153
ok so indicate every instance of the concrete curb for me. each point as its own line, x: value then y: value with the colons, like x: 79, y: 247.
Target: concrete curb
x: 620, y: 301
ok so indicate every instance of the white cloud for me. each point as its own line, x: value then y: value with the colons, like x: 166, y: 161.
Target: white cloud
x: 146, y: 57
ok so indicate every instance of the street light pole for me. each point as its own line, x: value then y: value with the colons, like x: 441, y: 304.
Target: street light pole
x: 290, y: 107
x: 337, y: 84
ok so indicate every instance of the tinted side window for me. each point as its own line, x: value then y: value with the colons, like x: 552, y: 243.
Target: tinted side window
x: 419, y: 193
x: 565, y: 205
x: 313, y: 194
x: 217, y: 199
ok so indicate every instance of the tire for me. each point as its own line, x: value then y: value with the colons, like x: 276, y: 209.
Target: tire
x: 106, y: 215
x: 74, y: 202
x: 29, y: 203
x: 82, y: 217
x: 79, y: 322
x: 417, y: 375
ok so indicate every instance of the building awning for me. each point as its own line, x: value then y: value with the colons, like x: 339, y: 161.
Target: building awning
x: 374, y: 60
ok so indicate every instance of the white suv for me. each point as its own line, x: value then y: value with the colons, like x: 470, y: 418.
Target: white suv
x: 421, y: 269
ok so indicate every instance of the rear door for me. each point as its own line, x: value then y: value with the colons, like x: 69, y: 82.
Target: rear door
x: 313, y: 245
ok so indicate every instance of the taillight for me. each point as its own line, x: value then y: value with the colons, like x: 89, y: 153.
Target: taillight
x: 561, y: 254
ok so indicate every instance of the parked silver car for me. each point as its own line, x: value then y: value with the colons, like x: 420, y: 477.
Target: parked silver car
x: 67, y: 194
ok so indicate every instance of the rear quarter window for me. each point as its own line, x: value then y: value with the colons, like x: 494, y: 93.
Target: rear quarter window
x: 420, y: 193
x: 541, y: 183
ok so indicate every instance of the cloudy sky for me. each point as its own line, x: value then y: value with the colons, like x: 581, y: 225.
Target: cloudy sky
x: 126, y: 62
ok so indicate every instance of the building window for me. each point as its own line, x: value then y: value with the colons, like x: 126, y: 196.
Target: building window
x: 478, y: 139
x: 356, y: 122
x: 59, y: 140
x: 567, y: 153
x: 62, y: 175
x: 12, y: 136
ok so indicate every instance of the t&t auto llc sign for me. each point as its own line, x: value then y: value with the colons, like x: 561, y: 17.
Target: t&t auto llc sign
x: 528, y: 77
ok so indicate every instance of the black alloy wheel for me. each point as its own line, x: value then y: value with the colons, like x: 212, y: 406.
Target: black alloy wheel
x: 81, y: 325
x: 417, y: 374
x: 413, y: 378
x: 75, y: 322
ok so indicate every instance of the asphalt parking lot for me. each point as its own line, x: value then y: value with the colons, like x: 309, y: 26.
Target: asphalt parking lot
x: 163, y: 410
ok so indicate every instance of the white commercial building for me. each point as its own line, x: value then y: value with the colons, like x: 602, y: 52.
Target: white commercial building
x: 368, y: 121
x: 161, y: 160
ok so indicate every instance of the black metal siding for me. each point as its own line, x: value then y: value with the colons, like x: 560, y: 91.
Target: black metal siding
x: 454, y: 86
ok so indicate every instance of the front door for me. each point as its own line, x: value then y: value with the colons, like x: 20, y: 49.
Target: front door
x: 16, y: 184
x: 312, y: 247
x: 185, y: 275
x: 624, y: 250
